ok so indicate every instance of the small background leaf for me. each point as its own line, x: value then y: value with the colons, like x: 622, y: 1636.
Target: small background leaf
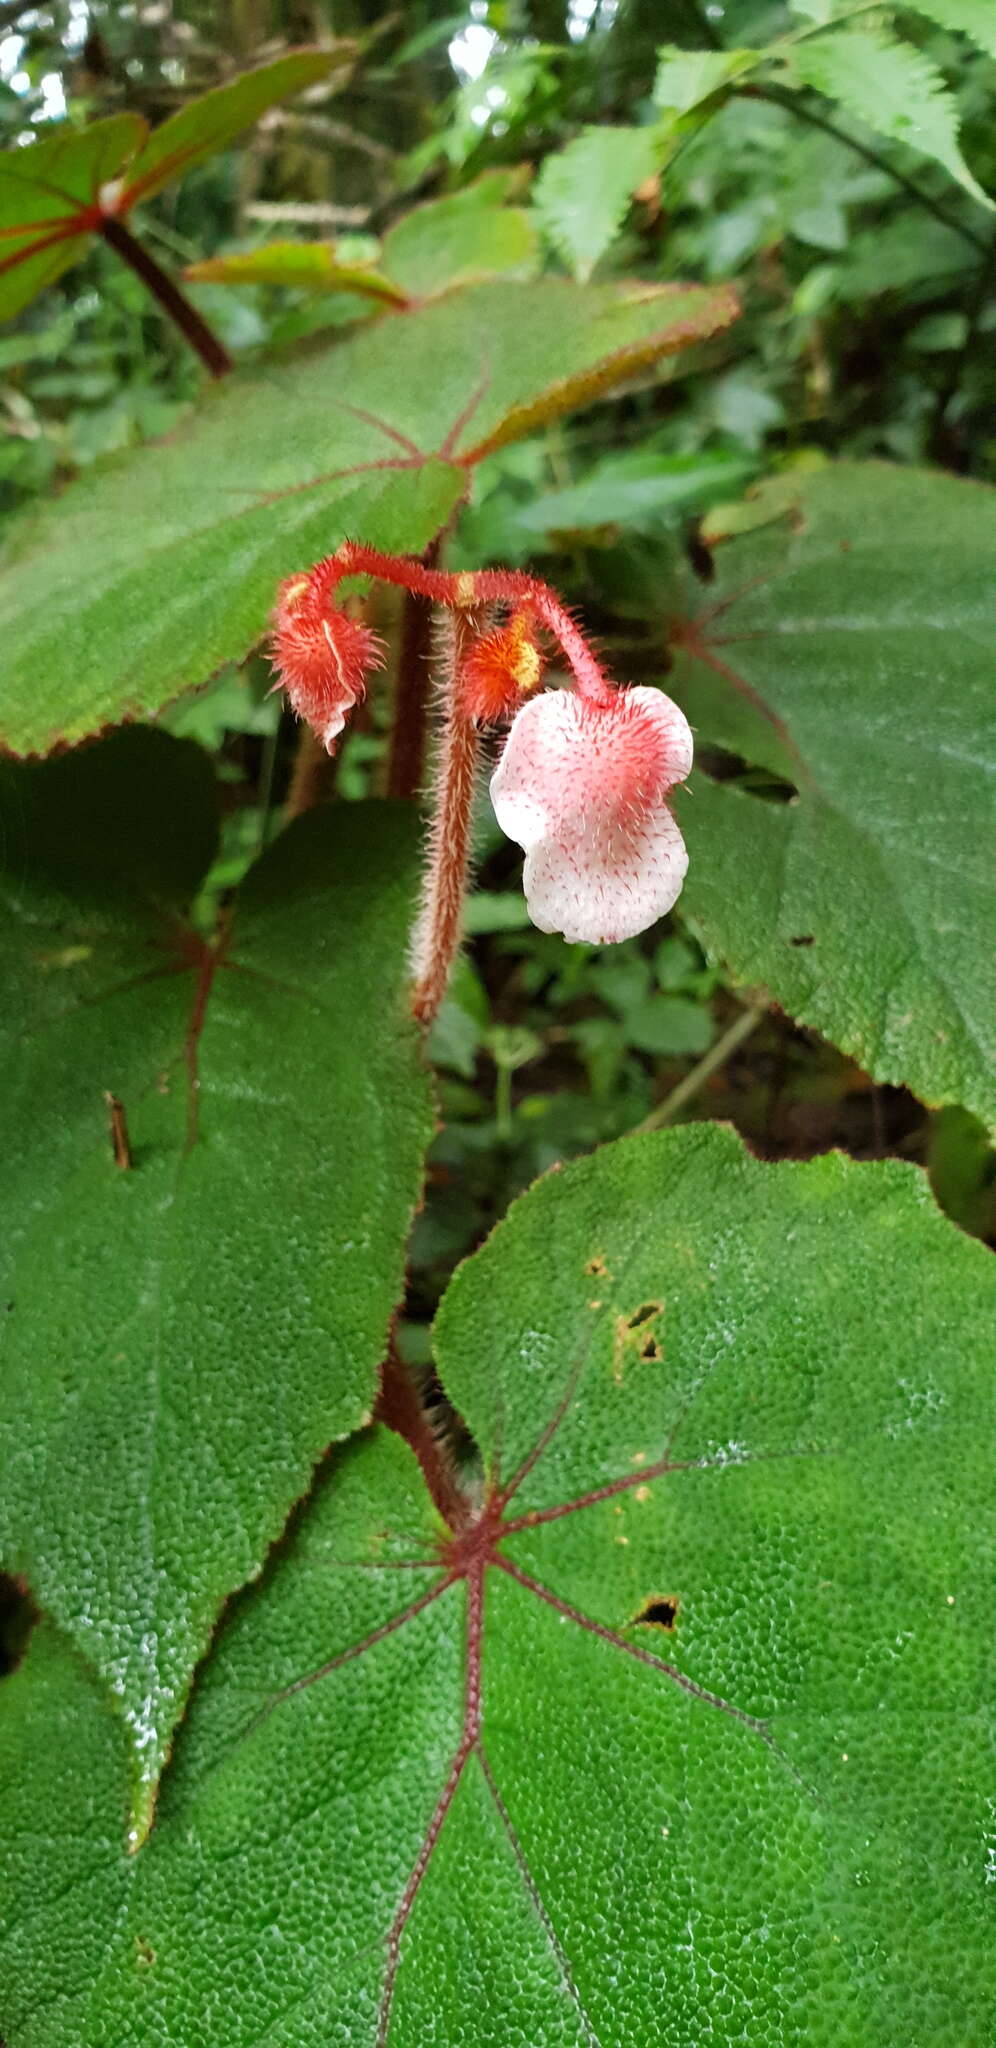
x: 583, y: 192
x: 973, y: 18
x: 896, y: 89
x: 215, y: 118
x: 42, y: 189
x: 462, y: 238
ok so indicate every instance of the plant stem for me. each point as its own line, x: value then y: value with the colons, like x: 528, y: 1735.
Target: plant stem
x: 406, y: 761
x: 780, y: 96
x: 399, y: 1407
x: 312, y: 775
x: 437, y: 935
x: 195, y: 331
x: 710, y: 1062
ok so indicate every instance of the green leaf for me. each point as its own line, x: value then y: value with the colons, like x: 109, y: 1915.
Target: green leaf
x: 973, y: 18
x: 184, y: 1336
x: 144, y: 578
x: 215, y: 118
x: 583, y: 192
x: 300, y: 266
x: 662, y: 1756
x: 45, y: 193
x: 850, y: 649
x: 460, y: 239
x: 672, y: 1026
x: 896, y: 89
x: 641, y: 489
x: 687, y: 78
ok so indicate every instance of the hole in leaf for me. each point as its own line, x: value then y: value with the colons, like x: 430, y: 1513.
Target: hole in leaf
x: 805, y: 939
x: 659, y: 1612
x: 701, y: 559
x: 724, y: 766
x: 643, y: 1315
x: 652, y: 1350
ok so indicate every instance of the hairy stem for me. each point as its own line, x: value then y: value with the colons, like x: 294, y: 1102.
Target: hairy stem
x: 438, y: 934
x: 399, y: 1407
x: 467, y: 590
x: 406, y: 762
x: 196, y: 331
x: 312, y: 775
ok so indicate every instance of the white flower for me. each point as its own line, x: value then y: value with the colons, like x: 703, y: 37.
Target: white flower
x: 581, y: 786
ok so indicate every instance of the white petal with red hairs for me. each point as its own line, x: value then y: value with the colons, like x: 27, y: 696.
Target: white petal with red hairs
x: 581, y: 786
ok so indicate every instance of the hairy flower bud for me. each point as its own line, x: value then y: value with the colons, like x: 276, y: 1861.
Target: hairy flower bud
x: 322, y: 657
x: 500, y: 669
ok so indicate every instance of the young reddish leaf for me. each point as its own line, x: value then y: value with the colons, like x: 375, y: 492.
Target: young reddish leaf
x: 144, y: 578
x: 54, y: 193
x: 49, y: 200
x: 848, y: 647
x: 652, y: 1754
x: 301, y: 266
x: 196, y: 1287
x: 217, y: 117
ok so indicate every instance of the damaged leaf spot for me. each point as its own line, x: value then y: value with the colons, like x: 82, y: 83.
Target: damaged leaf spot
x: 661, y: 1611
x: 636, y: 1337
x: 598, y: 1267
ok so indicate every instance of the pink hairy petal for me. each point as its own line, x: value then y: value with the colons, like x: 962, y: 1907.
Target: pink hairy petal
x: 568, y: 759
x: 600, y: 887
x: 581, y: 786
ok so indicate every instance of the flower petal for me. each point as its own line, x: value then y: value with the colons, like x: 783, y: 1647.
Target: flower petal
x: 601, y: 887
x: 568, y: 760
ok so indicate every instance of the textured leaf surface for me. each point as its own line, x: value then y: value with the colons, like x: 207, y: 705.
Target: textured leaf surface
x: 143, y: 579
x: 44, y: 190
x: 493, y: 1804
x: 184, y: 1338
x: 896, y: 89
x: 850, y: 648
x: 583, y: 192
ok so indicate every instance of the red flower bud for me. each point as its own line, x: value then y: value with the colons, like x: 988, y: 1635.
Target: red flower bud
x: 321, y: 656
x: 500, y: 669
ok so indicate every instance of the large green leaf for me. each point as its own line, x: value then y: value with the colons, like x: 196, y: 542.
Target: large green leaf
x: 183, y: 1338
x: 850, y: 648
x: 695, y: 1749
x: 54, y: 194
x: 144, y: 578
